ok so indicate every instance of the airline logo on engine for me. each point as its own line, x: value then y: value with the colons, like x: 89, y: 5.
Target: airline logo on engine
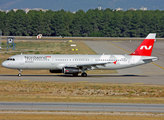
x: 146, y: 47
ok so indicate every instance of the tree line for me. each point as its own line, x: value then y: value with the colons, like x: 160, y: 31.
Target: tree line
x: 92, y: 23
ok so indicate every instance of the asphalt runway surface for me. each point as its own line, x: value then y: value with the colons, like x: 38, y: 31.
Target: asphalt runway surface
x: 90, y: 107
x: 119, y: 79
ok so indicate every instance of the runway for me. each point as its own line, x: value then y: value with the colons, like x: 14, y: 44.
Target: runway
x: 120, y: 79
x: 90, y: 107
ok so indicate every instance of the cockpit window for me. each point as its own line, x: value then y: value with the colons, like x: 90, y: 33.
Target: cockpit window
x: 11, y: 59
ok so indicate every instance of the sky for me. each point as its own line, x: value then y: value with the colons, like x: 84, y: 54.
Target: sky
x: 75, y: 5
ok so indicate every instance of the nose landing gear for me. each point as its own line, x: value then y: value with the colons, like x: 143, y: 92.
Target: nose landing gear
x: 20, y: 73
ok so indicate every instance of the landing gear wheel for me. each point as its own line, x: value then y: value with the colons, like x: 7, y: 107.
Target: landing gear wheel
x: 84, y: 74
x: 19, y: 74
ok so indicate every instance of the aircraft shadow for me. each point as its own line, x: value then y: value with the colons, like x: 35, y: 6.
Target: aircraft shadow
x: 89, y: 76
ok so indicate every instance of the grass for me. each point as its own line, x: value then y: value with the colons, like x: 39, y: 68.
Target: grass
x: 79, y: 92
x: 45, y: 47
x: 76, y: 116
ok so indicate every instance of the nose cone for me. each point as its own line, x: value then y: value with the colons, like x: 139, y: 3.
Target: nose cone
x: 5, y: 64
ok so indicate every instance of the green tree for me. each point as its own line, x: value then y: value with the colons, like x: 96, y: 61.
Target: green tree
x: 126, y: 23
x: 76, y: 25
x: 93, y: 23
x: 2, y: 21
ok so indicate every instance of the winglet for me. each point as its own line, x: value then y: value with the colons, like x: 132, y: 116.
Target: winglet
x: 146, y: 47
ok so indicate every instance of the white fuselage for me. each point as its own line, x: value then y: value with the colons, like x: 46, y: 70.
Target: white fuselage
x: 57, y: 62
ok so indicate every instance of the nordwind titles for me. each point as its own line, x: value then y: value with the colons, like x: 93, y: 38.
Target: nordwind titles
x: 36, y: 58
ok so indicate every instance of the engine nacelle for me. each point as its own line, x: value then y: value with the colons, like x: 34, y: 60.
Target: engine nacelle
x: 71, y: 70
x: 55, y: 71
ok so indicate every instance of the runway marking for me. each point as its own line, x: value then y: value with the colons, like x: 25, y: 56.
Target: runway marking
x: 130, y: 52
x: 157, y: 65
x: 24, y: 80
x: 117, y: 41
x: 158, y: 53
x: 119, y: 47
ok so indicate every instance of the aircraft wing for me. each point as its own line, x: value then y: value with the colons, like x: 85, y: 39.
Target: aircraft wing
x: 88, y: 64
x: 91, y: 64
x: 80, y: 65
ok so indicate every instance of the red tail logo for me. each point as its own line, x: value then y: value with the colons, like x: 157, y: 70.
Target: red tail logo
x: 146, y: 47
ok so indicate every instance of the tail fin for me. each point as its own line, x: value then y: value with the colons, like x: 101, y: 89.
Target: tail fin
x: 146, y: 47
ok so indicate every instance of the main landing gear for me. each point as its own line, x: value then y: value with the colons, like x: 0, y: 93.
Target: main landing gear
x: 20, y: 73
x: 84, y: 74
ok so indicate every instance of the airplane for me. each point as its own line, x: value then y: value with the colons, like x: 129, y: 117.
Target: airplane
x: 75, y: 64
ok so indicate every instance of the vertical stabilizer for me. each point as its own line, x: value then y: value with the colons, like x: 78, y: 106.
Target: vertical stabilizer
x: 146, y: 47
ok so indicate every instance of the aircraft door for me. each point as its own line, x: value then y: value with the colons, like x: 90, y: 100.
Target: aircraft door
x: 21, y: 60
x: 53, y: 61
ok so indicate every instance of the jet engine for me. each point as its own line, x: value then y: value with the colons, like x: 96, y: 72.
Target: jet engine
x: 71, y: 70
